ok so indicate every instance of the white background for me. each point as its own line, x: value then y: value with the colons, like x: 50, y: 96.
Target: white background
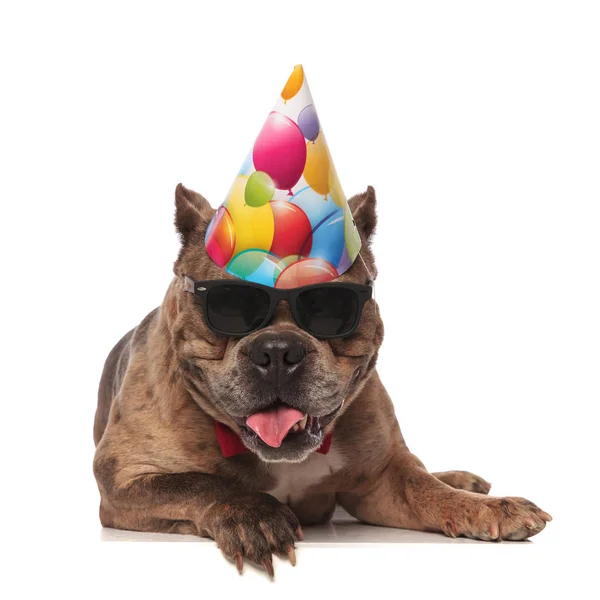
x: 478, y: 123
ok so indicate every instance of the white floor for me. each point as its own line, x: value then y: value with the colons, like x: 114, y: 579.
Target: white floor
x: 344, y: 559
x: 342, y: 530
x: 349, y: 559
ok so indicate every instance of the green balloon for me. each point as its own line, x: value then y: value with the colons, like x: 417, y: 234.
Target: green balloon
x: 259, y: 189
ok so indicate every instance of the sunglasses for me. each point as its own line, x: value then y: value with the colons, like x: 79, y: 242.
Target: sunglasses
x: 237, y: 308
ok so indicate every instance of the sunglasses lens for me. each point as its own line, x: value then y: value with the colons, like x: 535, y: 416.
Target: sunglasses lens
x: 327, y: 311
x: 237, y: 309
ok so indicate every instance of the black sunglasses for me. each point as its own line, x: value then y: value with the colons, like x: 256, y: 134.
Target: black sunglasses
x: 237, y: 308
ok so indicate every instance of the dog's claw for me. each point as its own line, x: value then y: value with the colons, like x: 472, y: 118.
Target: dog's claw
x: 268, y: 564
x: 545, y: 516
x: 299, y: 533
x: 239, y: 563
x: 292, y: 555
x: 449, y: 529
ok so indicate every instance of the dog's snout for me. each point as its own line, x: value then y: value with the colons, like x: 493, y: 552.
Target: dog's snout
x: 277, y: 355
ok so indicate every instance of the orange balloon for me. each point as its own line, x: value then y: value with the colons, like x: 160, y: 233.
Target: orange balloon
x: 307, y: 271
x: 294, y: 83
x: 316, y: 170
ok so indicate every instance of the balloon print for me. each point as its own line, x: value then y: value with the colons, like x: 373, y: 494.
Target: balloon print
x: 294, y: 83
x: 247, y: 166
x: 345, y: 262
x: 306, y: 271
x: 284, y: 263
x: 316, y: 171
x: 315, y: 206
x: 351, y: 234
x: 335, y: 187
x: 328, y: 239
x: 259, y: 189
x: 258, y: 266
x: 280, y: 151
x: 253, y: 226
x: 292, y: 230
x: 308, y: 121
x: 220, y: 237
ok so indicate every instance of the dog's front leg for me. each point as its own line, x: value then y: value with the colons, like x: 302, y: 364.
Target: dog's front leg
x: 405, y: 495
x: 244, y: 524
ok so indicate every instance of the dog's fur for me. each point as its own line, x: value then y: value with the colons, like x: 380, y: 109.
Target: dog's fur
x: 159, y: 466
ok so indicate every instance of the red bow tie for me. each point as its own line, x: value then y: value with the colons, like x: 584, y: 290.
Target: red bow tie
x: 231, y: 445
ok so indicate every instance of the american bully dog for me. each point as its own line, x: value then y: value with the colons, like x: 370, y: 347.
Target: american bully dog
x: 245, y: 439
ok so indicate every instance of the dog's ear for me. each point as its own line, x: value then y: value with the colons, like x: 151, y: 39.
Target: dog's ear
x: 363, y: 207
x: 192, y: 214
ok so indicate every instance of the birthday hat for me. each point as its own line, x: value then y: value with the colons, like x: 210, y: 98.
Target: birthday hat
x: 286, y: 221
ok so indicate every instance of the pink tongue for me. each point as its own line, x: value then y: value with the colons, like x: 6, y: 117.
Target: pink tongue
x: 273, y: 425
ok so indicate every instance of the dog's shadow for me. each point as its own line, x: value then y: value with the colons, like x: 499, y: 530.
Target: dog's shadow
x: 342, y: 530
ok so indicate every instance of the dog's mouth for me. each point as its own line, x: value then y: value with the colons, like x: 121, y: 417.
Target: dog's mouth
x: 281, y: 423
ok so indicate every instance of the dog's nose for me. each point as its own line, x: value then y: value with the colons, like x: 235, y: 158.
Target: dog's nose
x: 277, y: 355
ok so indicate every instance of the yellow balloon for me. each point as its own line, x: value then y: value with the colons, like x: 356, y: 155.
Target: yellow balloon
x: 294, y: 83
x: 335, y: 187
x: 254, y: 226
x: 316, y: 169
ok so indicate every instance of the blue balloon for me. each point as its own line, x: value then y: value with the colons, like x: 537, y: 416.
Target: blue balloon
x: 314, y: 205
x: 308, y: 121
x: 328, y: 240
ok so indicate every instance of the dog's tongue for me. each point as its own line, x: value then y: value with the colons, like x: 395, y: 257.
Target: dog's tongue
x: 273, y: 425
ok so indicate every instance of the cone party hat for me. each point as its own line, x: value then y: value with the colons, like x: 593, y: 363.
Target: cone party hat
x: 286, y: 222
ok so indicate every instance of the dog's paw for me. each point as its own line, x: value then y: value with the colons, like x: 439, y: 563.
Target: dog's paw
x: 498, y: 519
x: 463, y: 480
x: 253, y: 527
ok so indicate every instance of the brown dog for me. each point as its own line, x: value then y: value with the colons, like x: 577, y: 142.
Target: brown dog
x: 166, y: 384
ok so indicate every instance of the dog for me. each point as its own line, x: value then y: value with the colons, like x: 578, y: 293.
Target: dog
x: 172, y: 386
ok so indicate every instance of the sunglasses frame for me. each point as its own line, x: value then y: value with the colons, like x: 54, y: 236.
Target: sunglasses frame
x: 201, y: 289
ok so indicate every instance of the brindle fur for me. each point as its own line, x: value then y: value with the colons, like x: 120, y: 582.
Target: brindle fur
x: 158, y: 462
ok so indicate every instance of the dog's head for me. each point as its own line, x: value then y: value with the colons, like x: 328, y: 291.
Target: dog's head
x: 278, y: 368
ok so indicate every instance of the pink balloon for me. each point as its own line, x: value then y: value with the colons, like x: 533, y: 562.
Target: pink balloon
x: 280, y: 151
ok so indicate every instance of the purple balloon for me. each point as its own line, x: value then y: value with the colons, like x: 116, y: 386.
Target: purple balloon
x: 345, y: 262
x: 308, y: 121
x: 280, y: 151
